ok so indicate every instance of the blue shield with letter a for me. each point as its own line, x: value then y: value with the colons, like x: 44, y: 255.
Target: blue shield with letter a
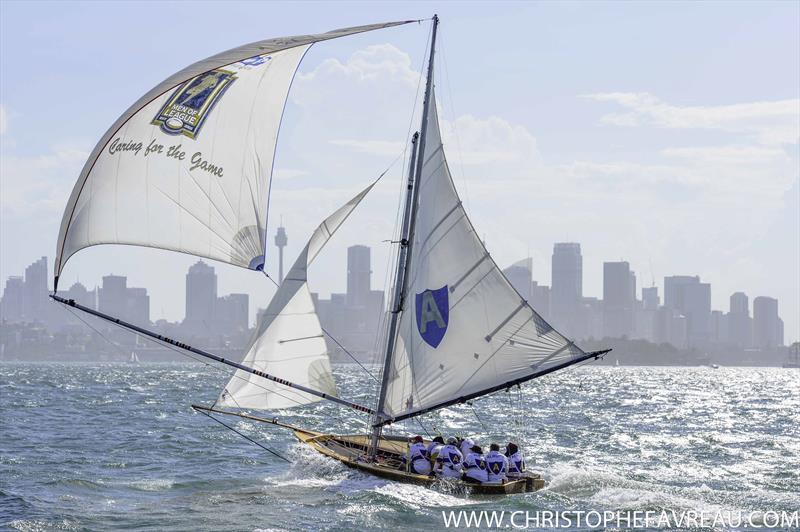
x: 433, y: 313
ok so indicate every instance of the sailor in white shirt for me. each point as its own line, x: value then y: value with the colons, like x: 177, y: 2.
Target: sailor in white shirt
x: 475, y: 466
x: 434, y: 447
x: 516, y: 462
x: 449, y: 460
x: 496, y: 464
x: 416, y: 461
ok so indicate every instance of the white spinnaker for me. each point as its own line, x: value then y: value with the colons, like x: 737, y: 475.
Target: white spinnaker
x: 289, y: 341
x: 205, y: 191
x: 491, y: 337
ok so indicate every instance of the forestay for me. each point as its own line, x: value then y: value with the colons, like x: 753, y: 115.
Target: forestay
x: 188, y: 166
x: 289, y: 340
x: 464, y: 328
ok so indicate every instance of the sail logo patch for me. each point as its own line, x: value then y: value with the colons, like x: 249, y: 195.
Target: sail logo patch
x: 186, y: 110
x: 433, y: 314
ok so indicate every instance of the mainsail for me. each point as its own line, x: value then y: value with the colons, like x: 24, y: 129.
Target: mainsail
x: 188, y: 167
x: 464, y: 330
x: 289, y: 340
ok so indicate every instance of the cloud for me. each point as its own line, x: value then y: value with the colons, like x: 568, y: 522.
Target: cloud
x: 767, y: 122
x: 3, y: 119
x: 729, y: 154
x: 484, y: 141
x: 375, y: 63
x: 40, y: 185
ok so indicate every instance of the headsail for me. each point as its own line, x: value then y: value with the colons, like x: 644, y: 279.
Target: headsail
x: 188, y: 166
x: 464, y: 329
x: 289, y: 340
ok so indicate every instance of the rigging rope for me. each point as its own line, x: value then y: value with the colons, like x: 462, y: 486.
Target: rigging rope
x: 246, y: 437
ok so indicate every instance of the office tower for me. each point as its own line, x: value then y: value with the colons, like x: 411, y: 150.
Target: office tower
x: 11, y: 308
x: 201, y: 297
x: 116, y: 299
x: 280, y: 240
x: 691, y: 298
x: 358, y: 276
x: 766, y: 323
x: 718, y: 327
x: 520, y: 276
x: 112, y: 296
x: 233, y: 313
x: 618, y: 299
x: 650, y: 300
x: 34, y: 295
x: 138, y: 305
x: 740, y: 326
x: 567, y: 287
x: 79, y: 293
x: 540, y: 299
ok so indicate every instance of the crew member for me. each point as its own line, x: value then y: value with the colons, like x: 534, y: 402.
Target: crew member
x: 475, y: 466
x: 449, y: 460
x: 516, y: 462
x: 496, y: 464
x: 416, y: 461
x: 434, y: 447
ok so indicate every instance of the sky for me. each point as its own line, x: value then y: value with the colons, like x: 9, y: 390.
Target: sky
x: 664, y: 134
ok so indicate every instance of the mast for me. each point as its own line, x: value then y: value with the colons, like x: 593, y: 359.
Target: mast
x: 406, y: 239
x: 206, y: 354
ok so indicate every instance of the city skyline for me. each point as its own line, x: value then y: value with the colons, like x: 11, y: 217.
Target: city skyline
x: 617, y: 314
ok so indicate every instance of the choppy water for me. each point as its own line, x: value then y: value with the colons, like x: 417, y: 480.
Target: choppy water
x: 117, y: 446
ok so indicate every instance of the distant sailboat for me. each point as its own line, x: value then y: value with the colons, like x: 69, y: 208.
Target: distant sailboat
x: 134, y: 358
x: 166, y: 176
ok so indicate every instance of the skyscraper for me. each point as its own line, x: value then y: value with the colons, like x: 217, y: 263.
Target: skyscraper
x: 358, y: 276
x: 233, y: 314
x: 112, y: 296
x: 116, y: 299
x: 11, y: 308
x: 520, y: 276
x: 34, y: 297
x: 767, y: 326
x: 740, y: 326
x: 690, y: 297
x: 650, y: 300
x: 201, y: 297
x: 540, y: 299
x: 567, y: 286
x: 618, y: 298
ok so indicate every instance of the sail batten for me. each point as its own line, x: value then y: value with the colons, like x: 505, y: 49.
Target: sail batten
x: 188, y: 166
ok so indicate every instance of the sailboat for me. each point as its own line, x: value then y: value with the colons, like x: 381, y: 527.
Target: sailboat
x: 134, y: 358
x: 188, y: 168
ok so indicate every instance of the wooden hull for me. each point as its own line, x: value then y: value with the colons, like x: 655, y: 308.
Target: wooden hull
x: 351, y: 451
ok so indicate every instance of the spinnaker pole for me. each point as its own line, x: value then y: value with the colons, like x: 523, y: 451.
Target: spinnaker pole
x: 406, y: 247
x: 206, y: 354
